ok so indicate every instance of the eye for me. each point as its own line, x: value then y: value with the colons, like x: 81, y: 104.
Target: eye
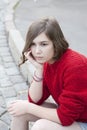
x: 32, y: 44
x: 44, y: 44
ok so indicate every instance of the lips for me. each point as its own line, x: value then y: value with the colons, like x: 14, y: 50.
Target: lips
x: 38, y: 57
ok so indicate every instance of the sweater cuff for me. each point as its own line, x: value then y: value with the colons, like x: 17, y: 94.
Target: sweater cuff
x: 38, y: 103
x: 64, y: 120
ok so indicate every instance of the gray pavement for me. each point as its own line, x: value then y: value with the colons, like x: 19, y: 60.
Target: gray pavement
x: 12, y: 83
x: 71, y: 14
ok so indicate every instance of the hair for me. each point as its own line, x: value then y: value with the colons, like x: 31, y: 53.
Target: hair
x: 52, y: 30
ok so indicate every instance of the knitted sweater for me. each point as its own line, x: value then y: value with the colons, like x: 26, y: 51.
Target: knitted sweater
x: 66, y: 81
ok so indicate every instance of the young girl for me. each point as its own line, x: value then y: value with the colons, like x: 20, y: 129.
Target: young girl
x: 60, y: 72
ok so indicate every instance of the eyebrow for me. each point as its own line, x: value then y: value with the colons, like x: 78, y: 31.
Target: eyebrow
x: 41, y: 42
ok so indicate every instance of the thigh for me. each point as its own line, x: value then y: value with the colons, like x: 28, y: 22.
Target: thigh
x: 49, y: 125
x: 22, y: 122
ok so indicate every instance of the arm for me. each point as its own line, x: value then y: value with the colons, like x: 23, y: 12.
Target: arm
x: 45, y: 95
x: 20, y: 107
x: 38, y: 91
x: 36, y: 88
x: 43, y: 112
x: 73, y: 97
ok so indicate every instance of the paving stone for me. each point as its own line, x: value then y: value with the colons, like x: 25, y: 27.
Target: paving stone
x: 0, y: 60
x: 1, y: 24
x: 9, y: 64
x: 7, y: 58
x: 5, y: 53
x: 1, y: 68
x: 2, y: 33
x: 3, y: 37
x: 2, y: 30
x: 12, y: 71
x: 2, y: 16
x: 2, y: 111
x: 23, y: 95
x: 2, y: 72
x: 9, y: 100
x: 3, y: 126
x: 16, y: 79
x: 4, y: 49
x: 8, y: 92
x: 0, y: 93
x: 5, y: 82
x: 6, y: 118
x: 3, y: 45
x: 2, y: 75
x: 20, y: 87
x: 2, y: 102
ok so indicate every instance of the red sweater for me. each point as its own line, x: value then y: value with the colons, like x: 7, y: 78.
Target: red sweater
x: 66, y: 81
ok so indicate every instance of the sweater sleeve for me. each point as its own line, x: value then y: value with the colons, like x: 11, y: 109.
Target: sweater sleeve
x: 45, y: 95
x: 74, y: 95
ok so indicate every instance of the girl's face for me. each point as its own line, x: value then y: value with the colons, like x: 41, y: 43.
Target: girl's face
x: 42, y: 49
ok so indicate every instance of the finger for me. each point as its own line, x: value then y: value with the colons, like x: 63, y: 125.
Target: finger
x: 10, y: 103
x: 27, y: 53
x: 10, y: 109
x: 11, y: 106
x: 12, y: 113
x: 31, y: 59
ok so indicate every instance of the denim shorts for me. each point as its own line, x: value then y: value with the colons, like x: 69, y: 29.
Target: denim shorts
x: 83, y: 126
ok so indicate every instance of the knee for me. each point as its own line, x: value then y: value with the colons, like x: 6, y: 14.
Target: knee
x: 39, y: 124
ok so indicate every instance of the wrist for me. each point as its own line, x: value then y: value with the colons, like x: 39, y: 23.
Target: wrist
x: 29, y: 108
x: 39, y: 72
x: 38, y: 78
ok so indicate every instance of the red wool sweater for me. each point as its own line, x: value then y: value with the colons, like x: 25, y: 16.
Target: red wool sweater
x: 66, y: 81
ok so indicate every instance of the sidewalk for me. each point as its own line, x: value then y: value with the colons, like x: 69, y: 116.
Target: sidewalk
x: 12, y: 83
x: 71, y: 14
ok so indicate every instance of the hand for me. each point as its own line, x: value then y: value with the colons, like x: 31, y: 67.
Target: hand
x: 31, y: 59
x: 18, y: 107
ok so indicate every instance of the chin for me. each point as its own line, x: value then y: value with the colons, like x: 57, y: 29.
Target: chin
x: 41, y: 62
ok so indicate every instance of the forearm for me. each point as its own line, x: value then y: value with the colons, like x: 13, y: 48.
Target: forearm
x: 44, y: 113
x: 36, y: 91
x: 36, y: 88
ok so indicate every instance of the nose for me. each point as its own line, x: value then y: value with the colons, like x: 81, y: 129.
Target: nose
x: 38, y: 50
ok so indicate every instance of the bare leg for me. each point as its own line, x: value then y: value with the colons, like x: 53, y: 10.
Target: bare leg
x: 43, y: 124
x: 21, y: 122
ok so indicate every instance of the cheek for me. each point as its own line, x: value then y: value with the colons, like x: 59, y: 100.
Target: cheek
x: 32, y: 50
x: 50, y: 53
